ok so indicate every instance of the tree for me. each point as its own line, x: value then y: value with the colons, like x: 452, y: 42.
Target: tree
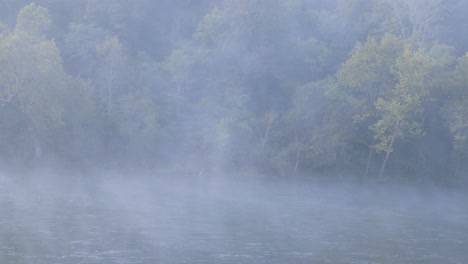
x: 456, y: 109
x: 386, y: 85
x: 112, y: 60
x: 401, y: 109
x: 75, y: 142
x: 32, y: 73
x: 178, y: 65
x: 416, y: 20
x: 366, y: 75
x: 34, y: 86
x: 80, y: 52
x: 361, y: 80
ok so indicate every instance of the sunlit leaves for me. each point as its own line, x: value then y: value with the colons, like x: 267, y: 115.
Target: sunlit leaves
x: 366, y: 75
x: 404, y: 103
x: 400, y: 110
x: 387, y: 84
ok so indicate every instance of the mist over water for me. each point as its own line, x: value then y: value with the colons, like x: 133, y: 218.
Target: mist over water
x: 275, y: 119
x: 112, y: 219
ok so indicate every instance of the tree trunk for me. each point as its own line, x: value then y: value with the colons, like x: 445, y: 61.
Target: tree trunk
x: 369, y: 159
x: 298, y: 155
x: 389, y: 150
x: 35, y: 140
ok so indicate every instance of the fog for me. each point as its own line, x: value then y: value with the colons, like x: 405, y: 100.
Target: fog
x: 374, y: 90
x: 233, y: 131
x: 116, y: 219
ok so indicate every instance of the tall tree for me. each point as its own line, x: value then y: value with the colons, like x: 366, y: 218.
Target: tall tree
x: 400, y: 111
x: 112, y: 60
x: 364, y: 78
x: 33, y: 80
x: 386, y: 85
x: 32, y: 72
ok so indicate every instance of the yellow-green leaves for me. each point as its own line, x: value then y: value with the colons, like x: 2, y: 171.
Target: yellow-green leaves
x: 386, y: 84
x: 456, y: 110
x: 366, y: 75
x: 401, y: 108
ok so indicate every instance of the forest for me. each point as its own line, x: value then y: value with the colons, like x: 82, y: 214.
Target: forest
x: 369, y: 89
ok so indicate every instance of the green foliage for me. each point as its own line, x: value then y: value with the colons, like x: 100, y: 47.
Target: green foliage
x: 33, y: 21
x: 367, y: 72
x: 210, y: 28
x: 32, y: 71
x: 387, y: 85
x: 458, y: 120
x: 456, y: 109
x: 279, y: 87
x: 400, y: 111
x: 364, y: 79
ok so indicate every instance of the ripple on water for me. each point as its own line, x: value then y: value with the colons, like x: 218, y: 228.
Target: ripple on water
x: 110, y: 227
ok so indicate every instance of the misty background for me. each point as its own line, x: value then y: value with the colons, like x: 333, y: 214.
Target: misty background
x: 233, y: 131
x: 373, y: 89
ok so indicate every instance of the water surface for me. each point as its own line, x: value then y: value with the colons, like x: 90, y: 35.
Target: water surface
x: 112, y: 220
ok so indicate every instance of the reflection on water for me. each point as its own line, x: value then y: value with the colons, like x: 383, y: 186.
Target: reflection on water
x: 116, y: 221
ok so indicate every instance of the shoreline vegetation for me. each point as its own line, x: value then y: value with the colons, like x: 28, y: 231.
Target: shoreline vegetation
x: 341, y: 91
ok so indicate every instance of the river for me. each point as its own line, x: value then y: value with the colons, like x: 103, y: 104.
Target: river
x: 110, y: 220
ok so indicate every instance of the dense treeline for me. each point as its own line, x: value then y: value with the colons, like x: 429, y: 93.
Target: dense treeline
x: 371, y: 88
